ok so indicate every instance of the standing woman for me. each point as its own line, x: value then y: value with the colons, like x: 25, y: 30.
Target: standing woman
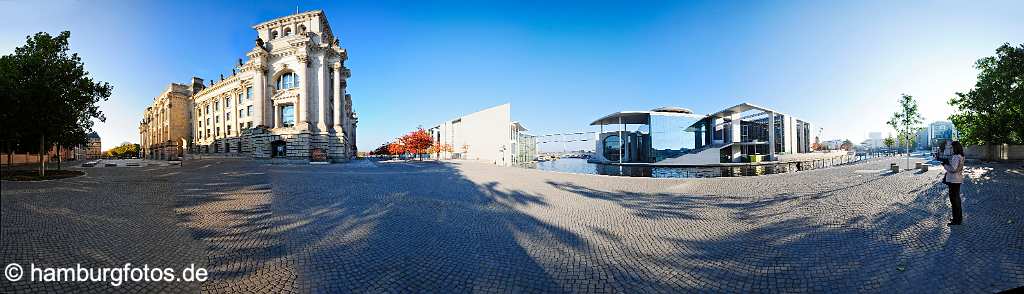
x: 953, y: 178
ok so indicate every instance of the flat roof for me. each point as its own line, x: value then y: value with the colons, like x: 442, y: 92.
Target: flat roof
x: 740, y: 108
x: 637, y: 117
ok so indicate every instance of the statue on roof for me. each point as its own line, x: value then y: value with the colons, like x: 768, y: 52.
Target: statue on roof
x: 259, y: 42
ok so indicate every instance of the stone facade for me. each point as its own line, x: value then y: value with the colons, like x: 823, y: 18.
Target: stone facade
x: 287, y: 99
x: 166, y: 125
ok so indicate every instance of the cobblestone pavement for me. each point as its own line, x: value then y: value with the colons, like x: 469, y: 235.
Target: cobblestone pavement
x: 449, y: 227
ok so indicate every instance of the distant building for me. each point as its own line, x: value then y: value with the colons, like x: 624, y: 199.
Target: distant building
x: 94, y: 148
x: 941, y: 131
x: 166, y: 127
x: 921, y: 139
x: 833, y: 144
x: 487, y: 135
x: 874, y: 140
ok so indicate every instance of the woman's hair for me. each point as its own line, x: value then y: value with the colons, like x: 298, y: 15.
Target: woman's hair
x: 957, y: 148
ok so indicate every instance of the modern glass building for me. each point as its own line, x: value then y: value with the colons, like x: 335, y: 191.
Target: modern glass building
x: 677, y: 136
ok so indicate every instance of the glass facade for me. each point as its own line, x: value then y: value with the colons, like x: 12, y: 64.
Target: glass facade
x: 612, y: 147
x: 674, y: 135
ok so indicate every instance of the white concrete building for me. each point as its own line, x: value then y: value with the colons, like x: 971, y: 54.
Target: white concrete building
x: 488, y: 135
x: 287, y: 100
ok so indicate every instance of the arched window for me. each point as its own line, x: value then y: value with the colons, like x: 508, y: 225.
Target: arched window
x: 288, y: 81
x: 273, y: 35
x: 302, y: 29
x: 612, y: 147
x: 287, y: 32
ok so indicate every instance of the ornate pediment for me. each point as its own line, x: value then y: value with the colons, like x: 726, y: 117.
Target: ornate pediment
x: 285, y: 94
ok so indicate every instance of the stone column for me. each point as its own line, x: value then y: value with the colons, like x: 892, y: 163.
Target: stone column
x: 338, y: 107
x: 260, y: 100
x: 277, y: 118
x: 302, y: 107
x: 322, y: 100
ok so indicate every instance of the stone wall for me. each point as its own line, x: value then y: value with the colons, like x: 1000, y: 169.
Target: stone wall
x: 256, y: 143
x: 995, y: 152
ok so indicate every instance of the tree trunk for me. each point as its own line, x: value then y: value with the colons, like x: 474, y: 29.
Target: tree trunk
x: 42, y: 163
x: 59, y: 159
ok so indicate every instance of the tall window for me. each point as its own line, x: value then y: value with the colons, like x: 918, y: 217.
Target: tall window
x: 248, y: 93
x: 239, y: 98
x: 207, y: 109
x: 248, y: 110
x: 241, y: 113
x: 227, y: 116
x: 288, y: 81
x: 216, y: 106
x: 288, y: 115
x: 227, y: 103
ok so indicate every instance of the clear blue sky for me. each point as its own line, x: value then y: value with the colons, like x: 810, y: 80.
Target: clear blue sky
x: 839, y: 64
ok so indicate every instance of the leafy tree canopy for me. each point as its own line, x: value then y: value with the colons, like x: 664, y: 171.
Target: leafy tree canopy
x: 993, y: 111
x: 47, y: 93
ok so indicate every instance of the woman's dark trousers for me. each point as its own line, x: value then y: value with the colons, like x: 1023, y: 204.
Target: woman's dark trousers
x: 954, y: 201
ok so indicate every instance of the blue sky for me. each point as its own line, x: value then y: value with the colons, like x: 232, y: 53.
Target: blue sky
x: 838, y: 64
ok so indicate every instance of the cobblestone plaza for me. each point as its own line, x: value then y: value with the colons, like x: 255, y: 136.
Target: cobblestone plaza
x: 467, y: 227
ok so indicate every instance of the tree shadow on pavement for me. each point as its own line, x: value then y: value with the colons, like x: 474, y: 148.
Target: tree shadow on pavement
x: 390, y: 227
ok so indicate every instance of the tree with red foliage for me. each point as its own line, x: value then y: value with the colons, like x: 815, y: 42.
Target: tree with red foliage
x: 417, y: 142
x: 438, y: 148
x: 382, y: 150
x: 395, y: 148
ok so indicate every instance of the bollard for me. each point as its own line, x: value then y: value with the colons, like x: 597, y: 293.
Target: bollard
x: 894, y: 167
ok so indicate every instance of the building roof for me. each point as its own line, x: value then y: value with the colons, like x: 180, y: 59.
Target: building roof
x: 672, y: 109
x: 740, y: 108
x: 642, y: 117
x: 519, y: 126
x: 94, y: 135
x: 289, y: 18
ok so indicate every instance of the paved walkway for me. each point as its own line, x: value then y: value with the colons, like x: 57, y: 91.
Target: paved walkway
x: 443, y: 227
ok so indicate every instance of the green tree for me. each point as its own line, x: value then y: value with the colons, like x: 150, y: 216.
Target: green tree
x: 905, y: 121
x: 993, y: 111
x: 56, y: 99
x: 889, y: 142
